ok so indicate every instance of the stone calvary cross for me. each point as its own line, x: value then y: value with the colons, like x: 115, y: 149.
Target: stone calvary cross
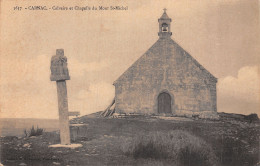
x: 60, y: 73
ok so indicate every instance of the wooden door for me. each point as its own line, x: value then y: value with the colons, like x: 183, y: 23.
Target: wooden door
x: 164, y: 103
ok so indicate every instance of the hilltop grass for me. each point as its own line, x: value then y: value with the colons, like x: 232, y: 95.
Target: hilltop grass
x: 234, y: 143
x: 178, y: 146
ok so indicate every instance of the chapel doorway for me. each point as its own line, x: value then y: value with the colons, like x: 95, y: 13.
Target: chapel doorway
x: 164, y: 103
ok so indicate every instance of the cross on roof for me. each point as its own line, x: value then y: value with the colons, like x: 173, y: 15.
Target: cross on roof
x: 164, y: 10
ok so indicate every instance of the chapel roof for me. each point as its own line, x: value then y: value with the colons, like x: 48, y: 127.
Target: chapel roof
x: 164, y: 44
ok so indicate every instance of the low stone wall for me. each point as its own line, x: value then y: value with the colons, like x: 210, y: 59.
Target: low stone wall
x: 184, y: 113
x: 196, y: 114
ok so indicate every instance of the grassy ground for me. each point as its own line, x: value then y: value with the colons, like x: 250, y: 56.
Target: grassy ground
x: 235, y: 143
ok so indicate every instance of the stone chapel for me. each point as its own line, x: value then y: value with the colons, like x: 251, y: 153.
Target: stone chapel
x: 165, y: 80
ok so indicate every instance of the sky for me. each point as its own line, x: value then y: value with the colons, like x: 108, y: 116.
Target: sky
x: 222, y: 35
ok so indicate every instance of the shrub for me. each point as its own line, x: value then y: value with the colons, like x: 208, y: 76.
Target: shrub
x: 177, y: 145
x: 33, y: 132
x: 252, y: 118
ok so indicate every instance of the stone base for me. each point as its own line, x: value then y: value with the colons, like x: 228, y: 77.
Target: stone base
x: 72, y: 146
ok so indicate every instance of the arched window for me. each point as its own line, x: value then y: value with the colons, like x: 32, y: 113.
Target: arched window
x: 165, y: 27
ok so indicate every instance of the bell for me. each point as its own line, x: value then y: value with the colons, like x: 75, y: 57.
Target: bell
x: 164, y: 29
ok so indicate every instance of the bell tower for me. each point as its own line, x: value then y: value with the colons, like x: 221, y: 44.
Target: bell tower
x: 164, y: 26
